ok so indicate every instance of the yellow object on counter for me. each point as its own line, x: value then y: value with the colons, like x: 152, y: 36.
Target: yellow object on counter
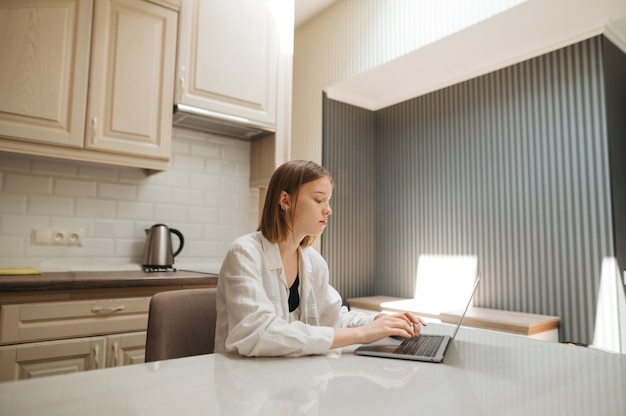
x: 10, y: 271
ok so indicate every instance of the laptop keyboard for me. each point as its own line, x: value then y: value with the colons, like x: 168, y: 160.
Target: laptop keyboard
x: 425, y: 345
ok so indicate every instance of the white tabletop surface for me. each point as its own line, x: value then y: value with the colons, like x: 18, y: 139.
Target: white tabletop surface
x: 484, y: 373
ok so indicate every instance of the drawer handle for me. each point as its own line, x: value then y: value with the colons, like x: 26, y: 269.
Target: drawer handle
x: 110, y: 309
x: 96, y: 353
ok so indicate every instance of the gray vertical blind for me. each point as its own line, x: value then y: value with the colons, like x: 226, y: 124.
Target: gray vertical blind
x: 511, y: 167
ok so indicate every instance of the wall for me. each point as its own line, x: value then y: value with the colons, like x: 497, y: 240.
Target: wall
x: 205, y: 194
x: 349, y: 243
x: 511, y: 167
x: 354, y: 36
x: 615, y: 69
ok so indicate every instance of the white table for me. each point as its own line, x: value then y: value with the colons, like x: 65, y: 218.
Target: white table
x: 484, y: 373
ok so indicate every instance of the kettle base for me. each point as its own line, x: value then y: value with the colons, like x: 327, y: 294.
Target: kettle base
x: 152, y: 269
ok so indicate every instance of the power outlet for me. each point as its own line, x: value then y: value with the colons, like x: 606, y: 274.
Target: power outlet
x: 57, y: 236
x: 75, y: 237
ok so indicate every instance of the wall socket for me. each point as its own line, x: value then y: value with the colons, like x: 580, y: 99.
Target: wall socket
x: 57, y: 236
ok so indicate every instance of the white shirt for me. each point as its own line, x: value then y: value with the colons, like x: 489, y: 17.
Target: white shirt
x: 252, y: 303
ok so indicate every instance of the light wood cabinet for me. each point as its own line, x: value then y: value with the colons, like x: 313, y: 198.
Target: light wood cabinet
x: 228, y: 57
x: 47, y: 338
x: 44, y: 70
x: 235, y: 58
x: 40, y: 359
x: 132, y: 78
x: 55, y: 332
x: 102, y: 98
x: 126, y: 349
x: 19, y: 362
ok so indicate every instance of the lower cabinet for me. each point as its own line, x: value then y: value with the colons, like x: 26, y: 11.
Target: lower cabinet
x: 41, y: 338
x: 39, y: 359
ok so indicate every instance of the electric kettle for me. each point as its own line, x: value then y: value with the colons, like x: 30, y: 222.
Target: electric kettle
x: 158, y: 254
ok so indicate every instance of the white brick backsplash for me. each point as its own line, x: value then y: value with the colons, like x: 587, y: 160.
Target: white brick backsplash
x: 189, y: 197
x: 129, y: 249
x: 20, y: 225
x: 171, y: 213
x: 52, y: 205
x: 113, y: 229
x: 207, y: 152
x: 204, y: 215
x: 76, y: 188
x: 98, y: 173
x: 117, y: 191
x: 205, y: 194
x: 190, y: 231
x: 135, y: 210
x: 96, y: 209
x: 56, y: 168
x: 189, y: 163
x: 27, y: 184
x: 12, y: 247
x: 172, y: 178
x: 152, y: 193
x: 205, y: 181
x: 13, y: 203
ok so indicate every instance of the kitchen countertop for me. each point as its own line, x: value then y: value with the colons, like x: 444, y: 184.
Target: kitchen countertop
x: 102, y: 279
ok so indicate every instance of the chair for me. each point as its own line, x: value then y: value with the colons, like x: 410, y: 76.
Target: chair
x: 181, y: 323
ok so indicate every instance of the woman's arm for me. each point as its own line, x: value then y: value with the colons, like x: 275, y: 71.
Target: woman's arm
x: 405, y: 325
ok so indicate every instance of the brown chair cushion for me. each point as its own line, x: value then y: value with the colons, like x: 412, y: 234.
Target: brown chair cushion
x: 181, y: 323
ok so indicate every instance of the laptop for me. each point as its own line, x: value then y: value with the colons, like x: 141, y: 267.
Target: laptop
x: 431, y: 348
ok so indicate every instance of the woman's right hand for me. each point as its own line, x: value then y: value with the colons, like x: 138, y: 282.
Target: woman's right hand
x: 403, y: 325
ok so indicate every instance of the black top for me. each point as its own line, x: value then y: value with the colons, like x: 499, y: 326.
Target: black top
x: 294, y: 295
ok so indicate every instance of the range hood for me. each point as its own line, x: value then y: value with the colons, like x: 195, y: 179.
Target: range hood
x: 217, y: 123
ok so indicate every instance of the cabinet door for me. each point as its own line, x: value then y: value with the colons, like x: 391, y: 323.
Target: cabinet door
x: 132, y: 78
x: 126, y: 349
x: 19, y: 362
x: 44, y: 50
x: 228, y: 58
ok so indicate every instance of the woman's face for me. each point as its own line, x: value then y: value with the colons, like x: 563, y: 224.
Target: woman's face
x: 313, y: 208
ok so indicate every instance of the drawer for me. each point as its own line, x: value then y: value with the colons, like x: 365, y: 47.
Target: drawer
x: 55, y: 320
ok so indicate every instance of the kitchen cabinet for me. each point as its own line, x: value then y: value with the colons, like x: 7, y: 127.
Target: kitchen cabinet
x: 19, y: 362
x: 38, y: 359
x: 56, y: 337
x: 235, y: 58
x: 88, y: 80
x: 47, y: 327
x: 228, y: 55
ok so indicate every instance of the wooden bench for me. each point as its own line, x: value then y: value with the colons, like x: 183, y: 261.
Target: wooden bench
x: 544, y: 327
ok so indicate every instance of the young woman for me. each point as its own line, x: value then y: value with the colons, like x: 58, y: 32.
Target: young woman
x: 273, y: 292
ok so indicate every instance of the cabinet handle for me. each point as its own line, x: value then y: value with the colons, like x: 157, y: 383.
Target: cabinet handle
x: 115, y: 353
x: 181, y: 88
x: 94, y: 124
x: 96, y: 352
x: 110, y: 309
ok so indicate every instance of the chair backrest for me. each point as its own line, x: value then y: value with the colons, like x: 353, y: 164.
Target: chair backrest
x: 181, y: 323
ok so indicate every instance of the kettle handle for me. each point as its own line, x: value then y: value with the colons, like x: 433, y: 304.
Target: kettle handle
x: 181, y: 240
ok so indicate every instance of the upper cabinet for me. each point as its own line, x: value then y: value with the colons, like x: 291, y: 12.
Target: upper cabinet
x: 44, y: 70
x: 235, y: 60
x: 105, y: 98
x: 132, y: 78
x: 228, y: 58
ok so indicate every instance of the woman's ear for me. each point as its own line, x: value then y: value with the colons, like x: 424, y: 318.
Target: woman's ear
x: 284, y: 200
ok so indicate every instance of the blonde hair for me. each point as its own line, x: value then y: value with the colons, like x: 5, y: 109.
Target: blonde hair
x: 288, y: 177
